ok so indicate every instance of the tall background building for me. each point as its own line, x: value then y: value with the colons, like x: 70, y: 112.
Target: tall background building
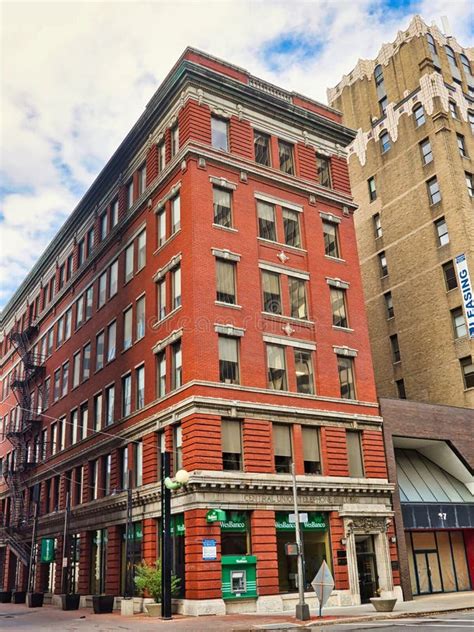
x: 411, y: 168
x: 204, y: 298
x: 411, y: 174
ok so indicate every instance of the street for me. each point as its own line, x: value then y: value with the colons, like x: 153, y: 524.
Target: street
x: 456, y: 622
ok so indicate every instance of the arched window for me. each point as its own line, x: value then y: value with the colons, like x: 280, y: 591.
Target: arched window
x: 378, y: 75
x: 419, y: 114
x: 431, y: 44
x: 384, y: 139
x: 466, y: 65
x: 451, y: 57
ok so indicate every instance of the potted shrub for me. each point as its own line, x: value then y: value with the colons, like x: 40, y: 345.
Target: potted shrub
x: 34, y: 599
x: 383, y: 604
x: 5, y: 596
x: 70, y: 601
x: 148, y: 579
x: 103, y: 604
x: 19, y: 596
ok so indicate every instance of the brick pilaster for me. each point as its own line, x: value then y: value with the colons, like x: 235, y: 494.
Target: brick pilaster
x: 112, y: 575
x: 297, y: 439
x: 202, y: 445
x: 203, y: 578
x: 85, y: 562
x: 150, y: 540
x: 264, y: 546
x: 258, y: 446
x: 340, y: 573
x: 334, y: 452
x: 150, y: 458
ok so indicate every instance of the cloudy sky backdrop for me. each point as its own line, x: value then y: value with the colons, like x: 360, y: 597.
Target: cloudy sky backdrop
x: 75, y: 76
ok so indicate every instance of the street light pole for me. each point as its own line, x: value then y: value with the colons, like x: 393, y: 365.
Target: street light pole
x: 165, y: 538
x: 302, y: 608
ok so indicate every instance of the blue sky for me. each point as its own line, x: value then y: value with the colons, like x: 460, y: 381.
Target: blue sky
x: 76, y: 76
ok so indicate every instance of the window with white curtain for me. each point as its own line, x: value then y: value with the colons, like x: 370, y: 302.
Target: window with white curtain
x: 222, y: 200
x: 271, y: 292
x: 111, y: 341
x: 176, y: 287
x: 291, y: 225
x: 161, y: 374
x: 231, y: 444
x: 175, y: 214
x: 161, y: 227
x: 225, y: 287
x: 126, y: 395
x: 304, y: 372
x: 99, y: 351
x: 129, y: 262
x: 229, y: 360
x: 141, y: 247
x: 140, y: 387
x: 176, y: 365
x: 140, y: 318
x: 311, y: 454
x: 282, y: 448
x: 297, y: 289
x: 266, y: 221
x: 219, y: 133
x: 127, y: 328
x: 161, y: 295
x: 113, y: 279
x: 339, y: 311
x: 276, y: 363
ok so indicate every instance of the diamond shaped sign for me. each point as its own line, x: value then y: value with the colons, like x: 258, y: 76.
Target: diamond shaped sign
x: 323, y: 585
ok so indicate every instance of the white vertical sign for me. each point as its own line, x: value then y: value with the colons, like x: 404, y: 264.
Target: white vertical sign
x: 465, y: 286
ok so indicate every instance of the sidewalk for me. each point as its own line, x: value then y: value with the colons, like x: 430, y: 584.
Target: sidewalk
x: 21, y: 619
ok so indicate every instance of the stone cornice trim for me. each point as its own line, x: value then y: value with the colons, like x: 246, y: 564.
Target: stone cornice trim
x: 223, y: 183
x: 274, y: 267
x: 174, y: 190
x: 223, y: 253
x: 172, y: 263
x: 338, y: 283
x: 329, y: 217
x: 229, y: 330
x: 164, y: 342
x: 289, y: 342
x: 264, y: 197
x: 345, y: 351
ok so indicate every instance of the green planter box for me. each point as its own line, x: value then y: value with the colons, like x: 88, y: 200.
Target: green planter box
x: 239, y: 576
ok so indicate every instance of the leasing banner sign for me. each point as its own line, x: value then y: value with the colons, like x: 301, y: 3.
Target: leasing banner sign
x: 467, y: 292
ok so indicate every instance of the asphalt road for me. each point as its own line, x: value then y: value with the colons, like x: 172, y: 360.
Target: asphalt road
x: 450, y: 622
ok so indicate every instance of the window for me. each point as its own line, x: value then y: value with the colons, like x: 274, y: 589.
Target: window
x: 431, y: 44
x: 57, y: 385
x: 384, y: 139
x: 222, y: 201
x: 345, y: 367
x: 69, y: 266
x: 74, y: 427
x: 453, y: 108
x: 228, y: 360
x: 285, y: 153
x: 372, y: 189
x: 142, y: 179
x: 231, y: 444
x: 60, y: 332
x: 378, y: 232
x: 49, y: 349
x: 126, y: 395
x: 297, y: 289
x: 291, y: 226
x: 68, y: 324
x: 65, y: 379
x: 176, y: 287
x: 451, y: 58
x: 174, y: 140
x: 103, y: 226
x: 271, y: 292
x: 176, y: 365
x: 61, y: 276
x: 76, y: 369
x: 99, y: 351
x: 138, y: 463
x: 395, y: 347
x: 469, y: 183
x: 282, y: 448
x: 102, y: 289
x: 339, y: 310
x: 129, y: 252
x: 354, y: 453
x: 383, y: 103
x: 161, y: 227
x: 161, y: 374
x: 304, y: 372
x: 433, y: 191
x: 419, y: 114
x: 466, y: 65
x: 130, y: 194
x: 383, y: 264
x: 161, y: 287
x: 124, y: 475
x: 467, y: 368
x: 94, y: 479
x: 106, y: 473
x: 127, y: 328
x: 89, y: 301
x: 331, y: 240
x: 140, y: 318
x: 83, y: 421
x: 225, y: 286
x: 109, y: 405
x: 98, y: 412
x: 81, y: 255
x: 54, y: 438
x: 450, y: 278
x: 461, y: 145
x: 161, y: 156
x: 79, y: 311
x: 401, y: 392
x: 324, y: 170
x: 177, y: 448
x: 219, y: 133
x: 389, y: 304
x: 441, y: 231
x: 276, y: 363
x: 266, y: 221
x: 141, y: 247
x: 115, y: 213
x: 175, y: 214
x: 90, y: 241
x: 470, y: 116
x: 459, y: 323
x: 113, y: 279
x: 261, y: 143
x: 378, y: 75
x: 86, y: 361
x: 426, y: 151
x: 311, y: 455
x: 111, y: 341
x: 140, y: 387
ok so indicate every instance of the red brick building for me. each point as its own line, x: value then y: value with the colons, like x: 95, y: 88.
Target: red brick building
x: 204, y: 297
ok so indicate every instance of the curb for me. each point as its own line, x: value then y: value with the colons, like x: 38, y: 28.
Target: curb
x: 277, y: 627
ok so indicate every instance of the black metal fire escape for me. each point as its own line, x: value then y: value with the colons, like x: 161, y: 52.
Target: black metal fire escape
x: 20, y: 431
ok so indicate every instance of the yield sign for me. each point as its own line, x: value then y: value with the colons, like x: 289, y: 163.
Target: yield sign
x: 323, y: 585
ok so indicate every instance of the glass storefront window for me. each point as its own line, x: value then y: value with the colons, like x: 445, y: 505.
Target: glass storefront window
x: 134, y: 555
x: 98, y: 561
x: 235, y: 538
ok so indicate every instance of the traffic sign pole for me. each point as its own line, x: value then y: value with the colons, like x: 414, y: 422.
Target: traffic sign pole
x: 302, y: 608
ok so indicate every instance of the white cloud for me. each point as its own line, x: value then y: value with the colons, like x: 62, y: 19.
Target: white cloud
x: 76, y: 76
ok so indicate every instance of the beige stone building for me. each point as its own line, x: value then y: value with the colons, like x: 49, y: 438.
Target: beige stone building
x: 411, y: 168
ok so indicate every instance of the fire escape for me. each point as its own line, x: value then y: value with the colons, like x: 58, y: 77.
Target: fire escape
x: 20, y: 431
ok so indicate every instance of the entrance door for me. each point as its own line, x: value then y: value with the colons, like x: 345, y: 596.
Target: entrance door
x: 428, y: 573
x: 366, y: 567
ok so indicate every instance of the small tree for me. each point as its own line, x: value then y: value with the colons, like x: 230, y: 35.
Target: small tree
x: 148, y: 578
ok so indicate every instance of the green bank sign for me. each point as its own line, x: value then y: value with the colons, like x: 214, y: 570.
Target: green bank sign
x: 47, y: 550
x: 316, y: 522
